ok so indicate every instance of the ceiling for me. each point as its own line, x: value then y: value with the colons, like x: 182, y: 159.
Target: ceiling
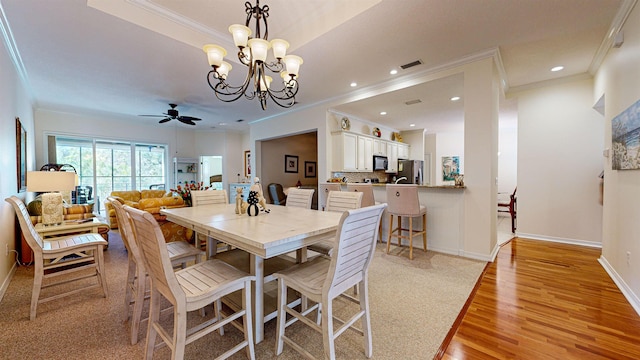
x: 132, y: 57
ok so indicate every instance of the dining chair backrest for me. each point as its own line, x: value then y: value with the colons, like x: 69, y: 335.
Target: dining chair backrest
x: 126, y: 231
x: 343, y: 200
x: 300, y: 198
x: 323, y: 193
x: 403, y: 199
x: 354, y: 247
x: 367, y: 193
x: 33, y: 238
x: 276, y: 192
x: 208, y: 197
x: 154, y: 250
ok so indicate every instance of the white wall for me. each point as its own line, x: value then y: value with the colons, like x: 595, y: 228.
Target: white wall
x: 508, y: 160
x: 559, y: 159
x: 617, y: 80
x: 182, y: 141
x: 14, y: 102
x: 448, y: 144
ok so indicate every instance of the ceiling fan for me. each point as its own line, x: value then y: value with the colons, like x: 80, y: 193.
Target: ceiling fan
x: 172, y: 114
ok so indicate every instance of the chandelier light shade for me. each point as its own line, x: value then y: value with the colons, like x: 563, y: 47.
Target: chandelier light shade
x: 253, y: 53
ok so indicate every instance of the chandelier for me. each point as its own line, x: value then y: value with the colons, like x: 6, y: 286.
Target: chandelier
x: 252, y: 53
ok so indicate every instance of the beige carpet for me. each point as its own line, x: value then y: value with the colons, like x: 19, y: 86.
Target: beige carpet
x: 413, y: 305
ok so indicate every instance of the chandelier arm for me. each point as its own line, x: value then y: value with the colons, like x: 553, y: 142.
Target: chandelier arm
x: 277, y: 102
x: 275, y: 66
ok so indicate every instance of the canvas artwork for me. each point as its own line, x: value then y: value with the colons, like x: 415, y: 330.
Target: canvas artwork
x: 625, y: 134
x: 450, y: 168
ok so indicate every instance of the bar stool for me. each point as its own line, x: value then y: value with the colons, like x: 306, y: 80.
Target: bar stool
x: 403, y: 201
x: 367, y: 199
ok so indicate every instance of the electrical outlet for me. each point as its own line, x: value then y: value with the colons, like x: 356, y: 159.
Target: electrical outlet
x: 628, y: 257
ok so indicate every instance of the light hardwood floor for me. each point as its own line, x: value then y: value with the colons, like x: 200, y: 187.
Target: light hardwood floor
x: 542, y: 300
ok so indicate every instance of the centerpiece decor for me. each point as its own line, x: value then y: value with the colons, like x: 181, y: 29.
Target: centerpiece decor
x: 185, y: 192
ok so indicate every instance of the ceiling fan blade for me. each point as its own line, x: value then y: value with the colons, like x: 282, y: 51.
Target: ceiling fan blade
x: 164, y: 120
x: 185, y: 121
x: 189, y: 118
x: 154, y: 115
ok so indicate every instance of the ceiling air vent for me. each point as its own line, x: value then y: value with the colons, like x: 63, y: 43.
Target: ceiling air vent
x: 411, y: 64
x: 411, y: 102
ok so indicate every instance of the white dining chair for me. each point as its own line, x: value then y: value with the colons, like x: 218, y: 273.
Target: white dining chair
x: 208, y: 197
x: 68, y: 259
x: 323, y: 193
x: 180, y: 252
x: 403, y: 201
x: 300, y: 198
x: 188, y: 289
x: 323, y: 279
x: 338, y: 201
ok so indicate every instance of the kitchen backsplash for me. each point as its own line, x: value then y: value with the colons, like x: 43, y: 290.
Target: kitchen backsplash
x: 361, y: 176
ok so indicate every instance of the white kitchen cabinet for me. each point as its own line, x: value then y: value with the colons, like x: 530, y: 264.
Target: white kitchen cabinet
x: 392, y: 156
x: 379, y: 147
x: 403, y: 151
x: 365, y: 153
x: 345, y: 151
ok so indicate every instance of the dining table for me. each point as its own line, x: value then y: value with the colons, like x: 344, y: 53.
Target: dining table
x: 280, y: 231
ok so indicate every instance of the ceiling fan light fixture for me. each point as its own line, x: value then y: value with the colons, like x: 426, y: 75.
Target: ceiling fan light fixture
x: 253, y: 53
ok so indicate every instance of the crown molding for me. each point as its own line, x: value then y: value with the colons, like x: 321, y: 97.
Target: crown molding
x: 14, y: 54
x: 616, y: 26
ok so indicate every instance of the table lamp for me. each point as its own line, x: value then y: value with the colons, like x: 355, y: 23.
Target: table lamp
x: 49, y: 182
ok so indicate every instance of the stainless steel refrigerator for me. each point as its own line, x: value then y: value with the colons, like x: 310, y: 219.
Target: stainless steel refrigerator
x: 412, y: 170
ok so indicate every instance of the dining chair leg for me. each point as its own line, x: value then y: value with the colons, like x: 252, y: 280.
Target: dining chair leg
x: 179, y: 333
x: 410, y: 238
x: 248, y: 319
x: 390, y: 232
x: 136, y: 314
x: 37, y: 286
x: 327, y: 330
x: 101, y: 273
x: 154, y: 315
x: 282, y: 315
x: 128, y: 293
x: 366, y: 320
x: 424, y: 233
x: 399, y: 230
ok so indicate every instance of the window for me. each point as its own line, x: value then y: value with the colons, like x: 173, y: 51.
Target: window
x: 113, y: 165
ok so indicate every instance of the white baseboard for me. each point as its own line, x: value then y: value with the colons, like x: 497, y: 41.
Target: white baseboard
x: 624, y: 288
x: 560, y: 240
x: 7, y: 280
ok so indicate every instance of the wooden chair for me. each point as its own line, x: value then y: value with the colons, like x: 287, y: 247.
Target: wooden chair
x: 403, y: 201
x: 323, y: 279
x: 187, y: 290
x: 60, y: 256
x: 300, y: 198
x: 338, y: 201
x: 510, y: 207
x: 208, y: 197
x: 136, y: 290
x: 323, y: 193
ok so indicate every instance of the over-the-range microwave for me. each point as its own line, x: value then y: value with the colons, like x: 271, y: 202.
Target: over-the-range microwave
x: 380, y: 162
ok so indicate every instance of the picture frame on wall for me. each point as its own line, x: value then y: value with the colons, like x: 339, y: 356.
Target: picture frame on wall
x: 309, y: 169
x: 247, y: 163
x: 291, y: 164
x: 21, y: 155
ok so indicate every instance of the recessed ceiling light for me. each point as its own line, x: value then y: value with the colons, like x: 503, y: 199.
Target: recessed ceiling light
x: 393, y: 72
x: 383, y: 113
x: 557, y: 68
x: 222, y: 123
x: 354, y: 84
x: 412, y: 125
x: 455, y: 98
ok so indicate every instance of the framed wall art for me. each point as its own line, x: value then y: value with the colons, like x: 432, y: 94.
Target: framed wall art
x: 290, y: 164
x: 625, y: 139
x: 21, y: 156
x: 247, y: 163
x: 309, y: 169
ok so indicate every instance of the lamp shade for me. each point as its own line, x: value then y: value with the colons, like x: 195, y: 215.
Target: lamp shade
x: 259, y: 49
x: 293, y: 63
x: 215, y: 54
x: 46, y: 181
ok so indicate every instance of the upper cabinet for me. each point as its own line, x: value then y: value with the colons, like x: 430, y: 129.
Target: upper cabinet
x: 403, y: 151
x: 354, y: 152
